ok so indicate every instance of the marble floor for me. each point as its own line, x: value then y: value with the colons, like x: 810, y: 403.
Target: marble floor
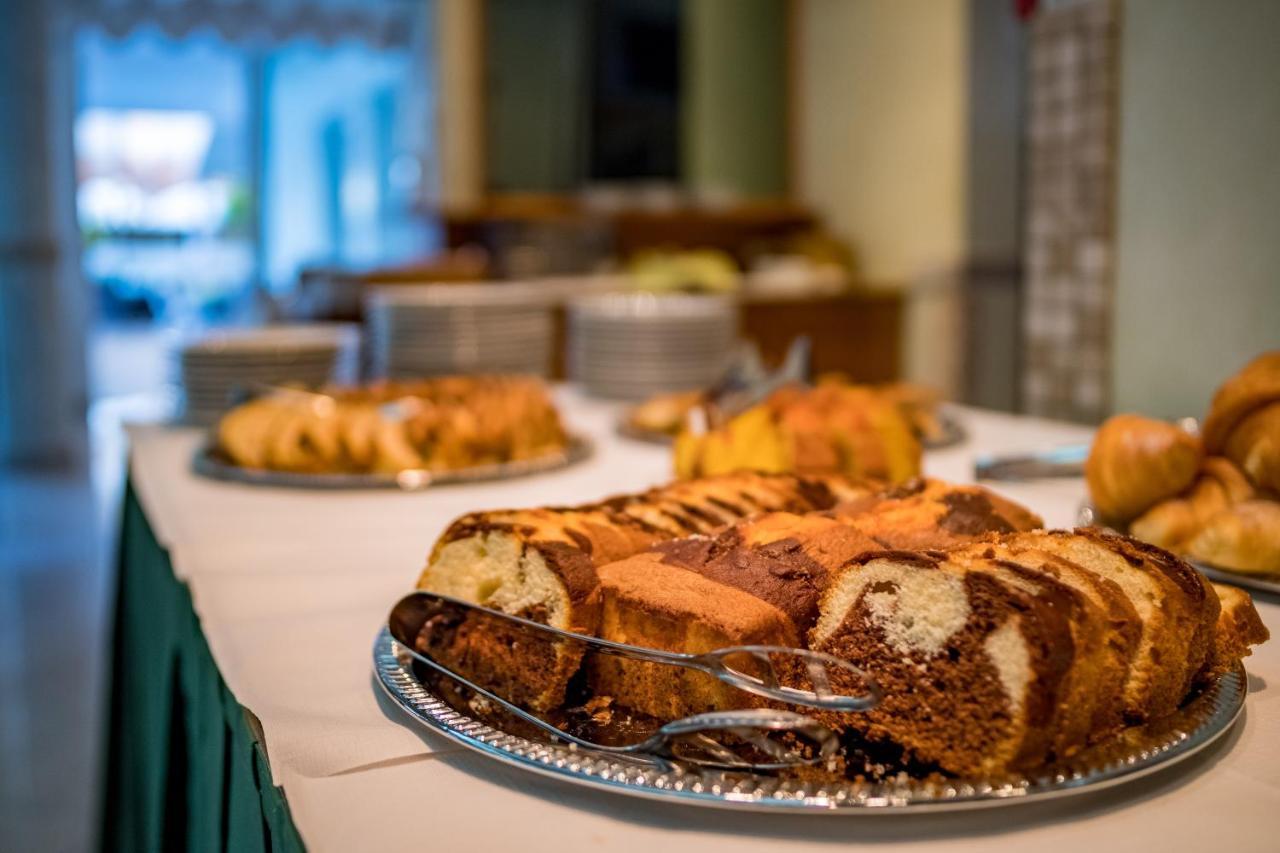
x: 57, y: 534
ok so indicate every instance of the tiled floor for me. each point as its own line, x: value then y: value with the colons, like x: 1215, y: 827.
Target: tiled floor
x: 57, y: 534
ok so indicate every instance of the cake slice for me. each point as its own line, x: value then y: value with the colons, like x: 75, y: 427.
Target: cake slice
x: 1084, y: 687
x: 757, y: 583
x: 1176, y: 609
x: 541, y: 564
x: 1118, y: 634
x: 974, y: 667
x: 1239, y: 627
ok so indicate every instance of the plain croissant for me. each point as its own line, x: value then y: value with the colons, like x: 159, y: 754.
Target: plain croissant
x: 1136, y: 462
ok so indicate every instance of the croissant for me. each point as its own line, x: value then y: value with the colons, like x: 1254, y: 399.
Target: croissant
x: 1256, y: 385
x: 1171, y: 523
x: 1254, y: 445
x: 1136, y: 462
x: 1244, y: 537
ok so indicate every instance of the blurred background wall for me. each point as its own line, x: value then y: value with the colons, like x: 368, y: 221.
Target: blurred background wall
x: 1198, y: 281
x: 1062, y: 207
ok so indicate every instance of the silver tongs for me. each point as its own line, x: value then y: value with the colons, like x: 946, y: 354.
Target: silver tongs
x: 688, y: 739
x: 748, y: 386
x: 1059, y: 462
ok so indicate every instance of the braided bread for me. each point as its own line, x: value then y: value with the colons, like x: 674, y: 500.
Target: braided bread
x: 438, y: 424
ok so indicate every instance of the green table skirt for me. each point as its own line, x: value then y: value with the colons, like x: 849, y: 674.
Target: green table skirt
x: 184, y: 770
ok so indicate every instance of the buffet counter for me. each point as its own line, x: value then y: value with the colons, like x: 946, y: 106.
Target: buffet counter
x: 245, y: 714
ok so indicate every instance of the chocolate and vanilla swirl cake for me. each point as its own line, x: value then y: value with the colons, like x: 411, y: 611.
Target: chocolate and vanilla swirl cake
x: 997, y: 645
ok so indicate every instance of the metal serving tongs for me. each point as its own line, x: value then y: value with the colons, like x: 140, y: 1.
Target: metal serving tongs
x: 739, y: 390
x: 688, y: 739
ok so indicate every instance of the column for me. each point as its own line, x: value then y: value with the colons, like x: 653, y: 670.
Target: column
x: 42, y: 297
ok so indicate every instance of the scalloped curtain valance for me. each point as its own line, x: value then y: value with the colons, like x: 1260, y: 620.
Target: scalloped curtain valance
x: 378, y: 23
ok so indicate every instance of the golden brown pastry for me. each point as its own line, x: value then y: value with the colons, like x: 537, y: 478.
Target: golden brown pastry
x: 1244, y: 537
x: 1256, y: 385
x: 437, y: 424
x: 831, y: 429
x: 1136, y: 462
x: 1254, y: 445
x: 1171, y: 523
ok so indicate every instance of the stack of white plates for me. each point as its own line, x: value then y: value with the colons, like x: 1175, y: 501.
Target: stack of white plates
x: 218, y: 369
x: 632, y: 346
x: 425, y: 330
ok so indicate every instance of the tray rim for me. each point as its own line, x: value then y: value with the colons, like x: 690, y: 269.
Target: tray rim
x: 1088, y: 516
x: 205, y: 462
x: 566, y: 763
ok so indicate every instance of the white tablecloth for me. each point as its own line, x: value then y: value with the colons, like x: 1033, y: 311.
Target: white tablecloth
x: 292, y: 586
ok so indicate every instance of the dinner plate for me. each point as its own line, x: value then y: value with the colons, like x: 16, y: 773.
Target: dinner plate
x: 1131, y: 755
x: 209, y: 462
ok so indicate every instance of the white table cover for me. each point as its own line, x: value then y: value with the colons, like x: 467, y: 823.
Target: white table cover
x: 291, y: 587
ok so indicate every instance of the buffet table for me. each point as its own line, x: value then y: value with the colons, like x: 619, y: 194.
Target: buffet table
x: 245, y: 715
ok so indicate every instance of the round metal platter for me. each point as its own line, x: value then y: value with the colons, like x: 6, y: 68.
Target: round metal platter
x: 1261, y: 583
x: 208, y: 462
x: 1194, y: 727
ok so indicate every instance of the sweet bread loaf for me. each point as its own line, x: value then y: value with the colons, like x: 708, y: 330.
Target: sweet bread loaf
x: 971, y: 667
x: 1175, y: 606
x: 988, y: 663
x: 541, y: 563
x: 1136, y: 462
x: 1119, y: 634
x: 927, y: 513
x: 759, y: 581
x: 756, y: 583
x: 1004, y: 650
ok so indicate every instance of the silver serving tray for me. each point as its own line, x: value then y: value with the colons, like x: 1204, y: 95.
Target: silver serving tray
x: 1192, y: 729
x: 209, y: 463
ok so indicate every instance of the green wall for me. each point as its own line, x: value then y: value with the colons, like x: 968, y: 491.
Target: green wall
x: 536, y: 94
x: 1198, y: 276
x: 734, y: 114
x: 734, y: 88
